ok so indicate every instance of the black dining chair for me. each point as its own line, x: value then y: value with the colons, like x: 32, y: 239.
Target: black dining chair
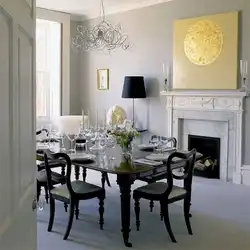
x: 71, y: 193
x: 41, y: 178
x: 158, y: 174
x: 167, y: 193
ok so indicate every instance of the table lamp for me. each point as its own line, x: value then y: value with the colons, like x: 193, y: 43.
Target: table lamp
x: 133, y: 88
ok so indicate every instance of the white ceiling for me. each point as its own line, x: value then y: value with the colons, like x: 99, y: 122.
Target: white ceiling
x: 91, y: 8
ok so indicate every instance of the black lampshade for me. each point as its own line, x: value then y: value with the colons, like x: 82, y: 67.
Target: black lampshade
x: 133, y: 87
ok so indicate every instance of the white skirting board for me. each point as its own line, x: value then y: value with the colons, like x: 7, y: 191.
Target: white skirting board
x: 242, y: 177
x: 245, y: 175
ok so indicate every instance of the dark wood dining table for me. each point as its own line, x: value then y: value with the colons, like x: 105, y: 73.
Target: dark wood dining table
x: 111, y: 163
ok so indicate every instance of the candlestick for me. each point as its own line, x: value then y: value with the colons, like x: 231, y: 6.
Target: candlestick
x: 243, y: 75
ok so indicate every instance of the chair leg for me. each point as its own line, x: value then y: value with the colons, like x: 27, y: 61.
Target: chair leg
x: 187, y: 215
x: 161, y: 213
x: 151, y: 205
x: 77, y: 210
x: 167, y: 222
x: 71, y: 217
x: 52, y: 214
x: 63, y: 170
x: 38, y: 190
x: 107, y: 180
x: 137, y: 213
x: 46, y: 194
x: 101, y: 211
x: 103, y: 180
x: 66, y: 207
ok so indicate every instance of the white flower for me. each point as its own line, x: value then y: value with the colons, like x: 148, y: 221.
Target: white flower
x: 127, y: 125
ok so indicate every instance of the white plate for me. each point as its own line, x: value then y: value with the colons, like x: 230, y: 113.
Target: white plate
x: 82, y: 156
x: 158, y: 157
x: 42, y: 147
x: 148, y: 162
x: 147, y: 146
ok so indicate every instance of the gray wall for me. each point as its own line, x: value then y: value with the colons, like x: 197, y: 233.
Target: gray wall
x: 150, y: 32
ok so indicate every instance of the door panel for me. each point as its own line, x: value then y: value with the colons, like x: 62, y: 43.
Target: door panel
x: 5, y: 133
x: 25, y: 55
x: 17, y: 125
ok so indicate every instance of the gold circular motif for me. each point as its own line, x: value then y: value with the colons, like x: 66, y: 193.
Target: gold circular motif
x: 203, y: 42
x: 116, y: 115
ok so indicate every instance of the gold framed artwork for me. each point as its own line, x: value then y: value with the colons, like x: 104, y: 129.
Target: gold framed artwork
x: 205, y: 53
x: 102, y: 79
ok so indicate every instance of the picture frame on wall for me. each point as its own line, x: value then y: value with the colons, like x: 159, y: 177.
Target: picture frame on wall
x: 102, y: 79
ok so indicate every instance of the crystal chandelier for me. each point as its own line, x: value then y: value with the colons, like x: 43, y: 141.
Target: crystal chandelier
x: 103, y: 36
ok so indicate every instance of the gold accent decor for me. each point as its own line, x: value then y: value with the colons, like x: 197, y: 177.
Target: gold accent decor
x: 205, y: 52
x: 116, y: 115
x: 203, y: 42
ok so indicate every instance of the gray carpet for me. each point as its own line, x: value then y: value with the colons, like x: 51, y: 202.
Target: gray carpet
x: 221, y: 220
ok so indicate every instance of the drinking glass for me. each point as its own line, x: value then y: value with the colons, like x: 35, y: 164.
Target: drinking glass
x: 62, y: 138
x: 111, y: 143
x: 72, y: 138
x: 41, y: 203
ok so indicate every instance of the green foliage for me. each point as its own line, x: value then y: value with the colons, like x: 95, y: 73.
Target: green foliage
x: 124, y: 137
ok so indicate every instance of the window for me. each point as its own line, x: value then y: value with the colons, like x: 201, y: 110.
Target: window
x: 48, y: 68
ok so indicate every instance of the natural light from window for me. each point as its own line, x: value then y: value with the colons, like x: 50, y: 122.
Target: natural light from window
x: 48, y: 68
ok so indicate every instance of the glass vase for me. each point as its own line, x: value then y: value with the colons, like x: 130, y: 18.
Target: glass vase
x: 126, y: 156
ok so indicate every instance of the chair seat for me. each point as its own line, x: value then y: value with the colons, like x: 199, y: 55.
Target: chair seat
x: 55, y: 177
x: 155, y: 190
x: 79, y: 187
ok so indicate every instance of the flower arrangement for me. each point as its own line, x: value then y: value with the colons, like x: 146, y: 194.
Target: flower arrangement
x: 125, y: 134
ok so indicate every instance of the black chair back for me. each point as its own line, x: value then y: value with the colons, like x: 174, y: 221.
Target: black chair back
x: 48, y: 155
x: 187, y: 175
x: 41, y: 130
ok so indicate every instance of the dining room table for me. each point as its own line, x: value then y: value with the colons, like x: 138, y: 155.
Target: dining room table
x: 111, y: 161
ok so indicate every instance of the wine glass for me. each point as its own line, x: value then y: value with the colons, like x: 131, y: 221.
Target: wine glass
x: 41, y: 203
x: 72, y: 138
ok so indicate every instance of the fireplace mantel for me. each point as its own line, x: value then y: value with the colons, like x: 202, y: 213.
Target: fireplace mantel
x: 205, y: 93
x: 211, y: 107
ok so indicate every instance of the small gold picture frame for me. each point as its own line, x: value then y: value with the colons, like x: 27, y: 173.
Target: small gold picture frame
x: 102, y: 79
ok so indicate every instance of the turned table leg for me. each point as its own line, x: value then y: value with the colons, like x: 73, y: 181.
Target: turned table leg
x: 125, y: 182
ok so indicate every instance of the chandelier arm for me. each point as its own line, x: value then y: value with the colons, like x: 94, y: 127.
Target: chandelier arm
x: 103, y: 36
x: 102, y: 10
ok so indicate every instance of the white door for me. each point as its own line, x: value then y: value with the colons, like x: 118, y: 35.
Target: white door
x: 17, y: 125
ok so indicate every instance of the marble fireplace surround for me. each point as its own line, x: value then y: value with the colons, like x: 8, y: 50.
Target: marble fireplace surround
x: 213, y: 114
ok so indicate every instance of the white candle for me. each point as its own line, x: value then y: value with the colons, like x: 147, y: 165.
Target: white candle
x: 88, y: 119
x: 168, y: 67
x: 164, y: 70
x: 105, y: 121
x: 241, y: 67
x: 97, y: 118
x: 83, y: 118
x: 246, y: 68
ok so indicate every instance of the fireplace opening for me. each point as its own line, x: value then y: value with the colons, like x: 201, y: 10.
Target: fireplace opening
x: 209, y: 165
